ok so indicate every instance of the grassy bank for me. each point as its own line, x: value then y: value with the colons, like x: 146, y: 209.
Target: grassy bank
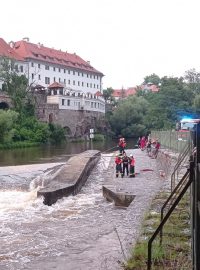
x: 175, y: 252
x: 13, y: 145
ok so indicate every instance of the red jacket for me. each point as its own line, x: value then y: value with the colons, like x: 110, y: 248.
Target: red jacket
x: 118, y: 160
x: 132, y: 161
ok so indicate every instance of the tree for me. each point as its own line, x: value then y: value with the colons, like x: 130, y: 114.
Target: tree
x: 169, y: 104
x: 153, y: 78
x: 7, y: 120
x: 15, y: 86
x: 107, y: 94
x: 127, y: 118
x: 192, y: 78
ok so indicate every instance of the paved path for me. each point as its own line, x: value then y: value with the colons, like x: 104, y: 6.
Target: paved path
x: 145, y: 186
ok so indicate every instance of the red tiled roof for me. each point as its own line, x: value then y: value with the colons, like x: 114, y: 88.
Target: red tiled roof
x: 131, y: 91
x: 117, y: 93
x: 55, y: 85
x: 7, y: 51
x: 98, y: 94
x: 153, y: 88
x: 124, y: 92
x: 45, y: 54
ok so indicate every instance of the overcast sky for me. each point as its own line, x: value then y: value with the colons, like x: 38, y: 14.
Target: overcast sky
x: 124, y: 39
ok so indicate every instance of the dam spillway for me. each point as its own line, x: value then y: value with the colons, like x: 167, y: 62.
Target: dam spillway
x: 70, y: 178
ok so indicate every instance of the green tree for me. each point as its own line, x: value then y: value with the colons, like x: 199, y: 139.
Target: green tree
x: 107, y: 94
x: 153, y: 78
x: 16, y: 87
x: 168, y: 105
x: 127, y: 118
x: 7, y: 120
x: 192, y: 78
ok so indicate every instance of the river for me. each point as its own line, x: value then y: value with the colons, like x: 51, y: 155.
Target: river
x: 50, y: 153
x: 65, y: 236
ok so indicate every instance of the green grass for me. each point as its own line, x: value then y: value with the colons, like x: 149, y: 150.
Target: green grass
x: 175, y: 252
x: 13, y: 145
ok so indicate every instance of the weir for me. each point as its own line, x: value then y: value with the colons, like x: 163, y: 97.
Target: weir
x: 70, y: 178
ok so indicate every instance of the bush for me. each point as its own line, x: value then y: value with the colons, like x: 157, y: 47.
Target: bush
x: 99, y: 137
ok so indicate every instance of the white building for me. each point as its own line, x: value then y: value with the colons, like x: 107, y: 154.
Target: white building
x: 47, y: 65
x: 20, y: 65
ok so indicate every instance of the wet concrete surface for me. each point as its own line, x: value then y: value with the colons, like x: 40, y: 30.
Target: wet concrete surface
x: 80, y: 232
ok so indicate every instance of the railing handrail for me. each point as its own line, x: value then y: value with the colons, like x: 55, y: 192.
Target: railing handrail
x: 181, y: 157
x: 171, y: 209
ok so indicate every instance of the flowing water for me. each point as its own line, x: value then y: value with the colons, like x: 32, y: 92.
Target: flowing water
x: 69, y: 235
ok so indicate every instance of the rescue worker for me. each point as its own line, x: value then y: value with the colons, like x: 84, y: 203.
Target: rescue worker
x: 118, y: 162
x: 132, y: 166
x: 122, y: 145
x: 125, y: 161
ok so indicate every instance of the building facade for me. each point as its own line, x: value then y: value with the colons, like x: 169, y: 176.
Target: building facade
x: 68, y: 88
x: 46, y: 66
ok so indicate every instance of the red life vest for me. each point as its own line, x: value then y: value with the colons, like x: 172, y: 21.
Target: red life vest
x: 132, y: 161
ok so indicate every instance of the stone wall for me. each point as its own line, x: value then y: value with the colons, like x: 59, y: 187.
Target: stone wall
x: 77, y: 123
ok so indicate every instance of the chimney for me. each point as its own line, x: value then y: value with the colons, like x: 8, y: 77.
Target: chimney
x: 12, y: 44
x: 26, y: 39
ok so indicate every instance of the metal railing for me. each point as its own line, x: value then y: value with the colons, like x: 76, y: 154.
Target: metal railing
x: 171, y: 209
x: 184, y: 154
x: 171, y: 139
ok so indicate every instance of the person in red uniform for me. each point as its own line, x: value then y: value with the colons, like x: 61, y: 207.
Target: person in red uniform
x: 122, y: 145
x: 118, y: 162
x: 132, y: 166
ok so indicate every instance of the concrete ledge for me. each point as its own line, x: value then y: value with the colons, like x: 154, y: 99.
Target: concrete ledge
x: 70, y: 178
x: 121, y: 198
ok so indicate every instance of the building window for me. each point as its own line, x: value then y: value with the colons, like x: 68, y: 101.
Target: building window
x: 82, y: 83
x: 78, y: 73
x: 38, y: 65
x: 32, y: 64
x: 39, y: 77
x: 97, y: 77
x: 87, y: 84
x: 59, y: 69
x: 91, y: 104
x: 74, y: 73
x: 59, y: 79
x: 21, y: 69
x: 47, y: 67
x: 63, y: 102
x: 64, y: 70
x: 68, y: 71
x: 82, y: 74
x: 54, y: 79
x: 91, y: 85
x: 32, y: 75
x: 47, y: 80
x: 54, y: 69
x: 78, y: 83
x: 94, y: 76
x: 94, y: 85
x: 74, y: 83
x: 16, y: 68
x: 87, y: 75
x: 90, y: 75
x: 68, y: 102
x: 68, y: 81
x: 97, y: 86
x: 64, y: 81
